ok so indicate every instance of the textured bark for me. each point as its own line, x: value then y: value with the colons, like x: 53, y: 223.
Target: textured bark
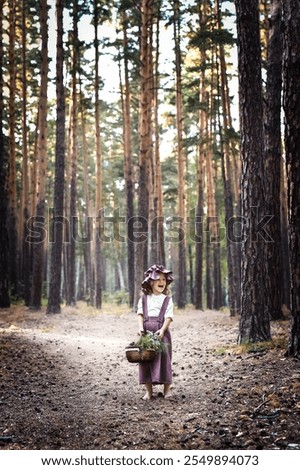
x: 71, y: 259
x: 56, y: 251
x: 145, y: 144
x: 202, y: 149
x: 273, y: 157
x: 208, y: 271
x: 181, y: 281
x: 25, y: 251
x: 291, y: 103
x: 66, y: 233
x: 209, y: 219
x: 228, y: 183
x: 12, y: 175
x: 198, y: 297
x: 128, y: 171
x: 254, y: 322
x: 39, y: 246
x: 158, y: 243
x: 88, y: 227
x: 159, y: 192
x: 217, y: 288
x: 286, y: 281
x: 4, y: 245
x: 212, y: 224
x: 98, y: 204
x: 218, y: 298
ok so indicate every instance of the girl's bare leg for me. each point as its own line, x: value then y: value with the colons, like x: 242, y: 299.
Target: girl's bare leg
x: 167, y: 392
x: 149, y: 391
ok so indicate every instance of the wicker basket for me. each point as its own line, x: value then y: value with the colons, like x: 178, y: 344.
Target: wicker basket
x: 138, y: 355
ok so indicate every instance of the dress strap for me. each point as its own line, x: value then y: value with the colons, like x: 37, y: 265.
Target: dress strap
x: 164, y: 308
x: 145, y: 307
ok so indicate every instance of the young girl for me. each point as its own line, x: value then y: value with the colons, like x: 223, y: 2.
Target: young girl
x: 155, y: 313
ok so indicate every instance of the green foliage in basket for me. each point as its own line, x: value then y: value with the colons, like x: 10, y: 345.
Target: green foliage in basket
x: 150, y: 341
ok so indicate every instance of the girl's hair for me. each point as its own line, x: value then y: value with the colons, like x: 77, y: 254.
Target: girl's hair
x: 147, y: 289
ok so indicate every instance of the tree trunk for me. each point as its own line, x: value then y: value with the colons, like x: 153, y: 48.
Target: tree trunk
x: 12, y: 175
x: 159, y: 192
x: 157, y: 226
x: 67, y: 231
x: 208, y: 271
x: 25, y: 250
x: 198, y: 226
x: 38, y: 246
x: 4, y: 253
x: 202, y: 125
x: 217, y: 300
x: 98, y: 205
x: 291, y: 104
x: 202, y: 175
x: 73, y: 221
x: 254, y: 322
x: 181, y: 282
x: 128, y: 166
x: 145, y: 145
x: 56, y: 250
x: 90, y: 295
x: 228, y: 183
x: 217, y: 294
x: 286, y: 280
x: 211, y: 232
x: 273, y: 157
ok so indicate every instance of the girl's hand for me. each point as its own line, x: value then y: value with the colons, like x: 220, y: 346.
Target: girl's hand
x: 141, y: 332
x: 160, y: 334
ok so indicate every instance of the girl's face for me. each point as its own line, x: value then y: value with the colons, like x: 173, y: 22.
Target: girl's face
x: 159, y: 285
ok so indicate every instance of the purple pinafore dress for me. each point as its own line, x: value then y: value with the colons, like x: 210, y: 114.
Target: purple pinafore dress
x: 158, y: 371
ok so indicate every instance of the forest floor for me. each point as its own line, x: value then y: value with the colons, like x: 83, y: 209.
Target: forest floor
x: 65, y: 383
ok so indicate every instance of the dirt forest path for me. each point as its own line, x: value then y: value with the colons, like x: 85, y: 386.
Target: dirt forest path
x: 65, y: 383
